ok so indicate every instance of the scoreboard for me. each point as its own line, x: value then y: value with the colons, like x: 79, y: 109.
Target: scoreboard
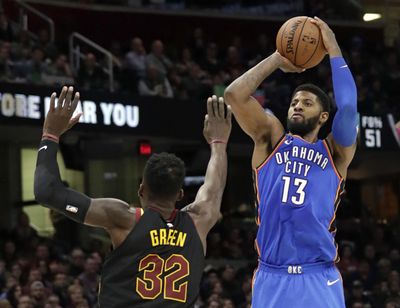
x: 378, y: 132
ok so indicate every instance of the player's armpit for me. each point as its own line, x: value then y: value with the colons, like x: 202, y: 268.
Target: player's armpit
x: 205, y: 215
x: 110, y: 213
x: 342, y: 156
x: 206, y: 212
x: 116, y: 216
x: 253, y: 119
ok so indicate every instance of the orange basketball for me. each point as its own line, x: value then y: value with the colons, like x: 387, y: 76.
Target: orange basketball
x: 300, y: 41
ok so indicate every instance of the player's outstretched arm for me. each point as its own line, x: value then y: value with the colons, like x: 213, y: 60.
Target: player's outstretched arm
x: 344, y: 127
x: 264, y: 129
x: 111, y: 214
x: 205, y: 210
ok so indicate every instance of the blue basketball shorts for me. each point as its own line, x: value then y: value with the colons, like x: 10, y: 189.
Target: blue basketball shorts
x: 316, y: 285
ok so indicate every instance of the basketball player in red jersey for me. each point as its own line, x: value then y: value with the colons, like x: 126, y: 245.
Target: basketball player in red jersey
x: 158, y: 255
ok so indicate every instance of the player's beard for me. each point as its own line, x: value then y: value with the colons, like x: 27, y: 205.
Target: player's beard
x: 302, y: 128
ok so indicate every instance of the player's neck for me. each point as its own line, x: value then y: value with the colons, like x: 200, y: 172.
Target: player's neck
x: 311, y: 137
x: 165, y: 208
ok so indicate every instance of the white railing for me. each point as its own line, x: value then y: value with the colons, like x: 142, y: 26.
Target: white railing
x: 75, y: 55
x: 24, y: 9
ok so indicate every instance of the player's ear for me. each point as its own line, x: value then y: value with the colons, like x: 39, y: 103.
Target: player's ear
x: 180, y: 195
x: 324, y: 116
x: 140, y: 191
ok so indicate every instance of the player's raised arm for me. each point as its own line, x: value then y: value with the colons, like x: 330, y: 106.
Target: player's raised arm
x: 344, y: 127
x: 264, y: 129
x: 205, y: 210
x: 111, y: 214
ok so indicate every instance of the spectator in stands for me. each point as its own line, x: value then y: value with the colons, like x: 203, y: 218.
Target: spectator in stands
x: 53, y: 302
x: 214, y: 245
x: 14, y: 294
x: 61, y: 283
x: 263, y: 49
x: 394, y: 257
x: 25, y: 302
x: 384, y: 269
x: 90, y: 279
x: 233, y: 61
x: 6, y: 30
x: 16, y: 271
x: 370, y: 255
x: 34, y: 68
x: 42, y: 253
x: 230, y: 283
x: 60, y: 67
x: 44, y: 42
x: 3, y: 274
x: 246, y: 290
x: 22, y: 47
x: 155, y: 83
x: 6, y: 65
x: 365, y: 275
x: 214, y: 304
x: 158, y: 59
x: 219, y: 83
x: 91, y: 76
x: 77, y: 261
x: 135, y: 59
x: 227, y: 303
x: 37, y: 293
x: 9, y: 252
x: 76, y: 295
x: 185, y: 62
x: 197, y: 84
x: 5, y: 304
x: 34, y: 275
x: 232, y: 243
x: 347, y: 262
x: 357, y: 294
x: 210, y: 63
x: 197, y: 43
x: 118, y: 56
x: 393, y: 302
x: 25, y: 236
x: 177, y: 85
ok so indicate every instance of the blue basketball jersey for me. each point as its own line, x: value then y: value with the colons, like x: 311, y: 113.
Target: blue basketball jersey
x: 297, y: 193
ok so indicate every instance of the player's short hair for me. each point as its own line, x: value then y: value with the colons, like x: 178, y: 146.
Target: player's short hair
x: 164, y: 174
x: 323, y: 98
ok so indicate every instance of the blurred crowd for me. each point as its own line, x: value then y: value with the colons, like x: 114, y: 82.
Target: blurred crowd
x: 322, y: 8
x: 38, y: 272
x: 195, y: 70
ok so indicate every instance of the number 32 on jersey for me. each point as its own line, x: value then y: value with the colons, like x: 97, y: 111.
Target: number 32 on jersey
x: 174, y: 269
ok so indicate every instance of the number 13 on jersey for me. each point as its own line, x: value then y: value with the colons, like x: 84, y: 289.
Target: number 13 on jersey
x: 299, y: 186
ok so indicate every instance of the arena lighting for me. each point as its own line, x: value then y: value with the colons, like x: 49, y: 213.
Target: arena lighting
x: 371, y: 16
x: 145, y: 148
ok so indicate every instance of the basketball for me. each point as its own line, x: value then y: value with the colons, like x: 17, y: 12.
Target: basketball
x: 300, y: 41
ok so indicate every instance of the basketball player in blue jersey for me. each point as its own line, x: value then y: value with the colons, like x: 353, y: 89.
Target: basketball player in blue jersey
x: 298, y: 182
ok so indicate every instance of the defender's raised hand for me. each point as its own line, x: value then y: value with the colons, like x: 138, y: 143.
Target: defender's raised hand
x: 218, y: 122
x: 328, y: 37
x: 59, y: 119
